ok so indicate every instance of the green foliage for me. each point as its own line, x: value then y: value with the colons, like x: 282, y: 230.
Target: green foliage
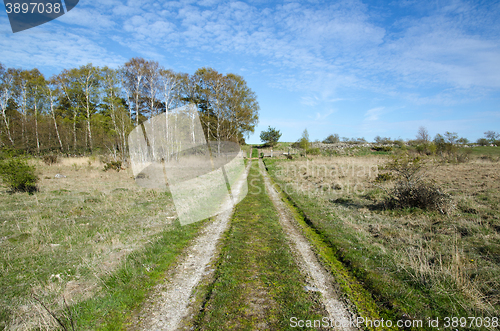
x: 400, y: 143
x: 382, y: 148
x: 492, y: 137
x: 451, y: 137
x: 271, y: 136
x: 483, y: 142
x: 304, y: 140
x: 383, y: 177
x: 9, y: 152
x: 314, y: 151
x: 383, y: 140
x: 19, y: 175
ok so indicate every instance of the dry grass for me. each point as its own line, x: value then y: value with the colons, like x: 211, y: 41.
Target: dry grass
x: 454, y: 257
x: 64, y: 239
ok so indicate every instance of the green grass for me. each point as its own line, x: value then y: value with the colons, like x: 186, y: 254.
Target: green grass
x: 247, y: 149
x: 486, y: 151
x: 257, y: 283
x: 125, y: 289
x: 255, y: 153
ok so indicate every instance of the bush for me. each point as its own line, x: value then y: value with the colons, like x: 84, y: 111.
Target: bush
x: 483, y: 142
x: 115, y: 165
x: 400, y: 143
x: 332, y: 139
x: 19, y: 175
x: 421, y: 195
x: 382, y: 148
x: 50, y: 159
x: 383, y: 177
x: 314, y: 151
x: 411, y: 191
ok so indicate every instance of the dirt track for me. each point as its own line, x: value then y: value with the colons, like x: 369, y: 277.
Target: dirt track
x: 317, y: 275
x: 168, y: 304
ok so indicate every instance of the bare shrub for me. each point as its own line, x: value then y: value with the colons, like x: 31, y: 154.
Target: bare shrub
x: 50, y: 159
x: 422, y: 195
x: 411, y: 191
x: 115, y: 165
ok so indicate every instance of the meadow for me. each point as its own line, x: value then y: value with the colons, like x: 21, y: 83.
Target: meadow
x: 416, y: 263
x: 90, y: 241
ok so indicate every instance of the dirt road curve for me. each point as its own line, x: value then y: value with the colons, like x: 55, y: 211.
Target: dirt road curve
x: 168, y: 305
x: 317, y: 275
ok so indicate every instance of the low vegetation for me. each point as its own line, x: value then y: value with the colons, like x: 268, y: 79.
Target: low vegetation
x: 417, y: 260
x: 94, y: 239
x: 18, y: 175
x: 410, y: 189
x: 257, y: 282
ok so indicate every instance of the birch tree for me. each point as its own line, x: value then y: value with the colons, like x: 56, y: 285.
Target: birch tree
x: 53, y: 94
x: 6, y: 80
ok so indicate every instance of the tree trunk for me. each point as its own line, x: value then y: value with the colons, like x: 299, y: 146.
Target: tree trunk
x: 36, y: 126
x: 4, y: 99
x: 54, y: 118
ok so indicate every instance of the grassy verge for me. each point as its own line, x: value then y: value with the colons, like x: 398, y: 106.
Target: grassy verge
x: 416, y: 264
x: 257, y: 283
x: 125, y: 289
x: 355, y: 293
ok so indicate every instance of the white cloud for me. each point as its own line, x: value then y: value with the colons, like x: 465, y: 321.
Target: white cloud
x: 374, y: 113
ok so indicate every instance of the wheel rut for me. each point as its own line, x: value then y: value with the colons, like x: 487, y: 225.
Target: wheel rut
x: 169, y: 303
x: 318, y: 276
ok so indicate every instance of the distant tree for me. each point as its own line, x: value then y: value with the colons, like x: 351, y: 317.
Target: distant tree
x: 383, y: 140
x: 483, y: 142
x: 304, y: 140
x: 451, y: 137
x: 270, y: 137
x: 423, y: 135
x: 439, y: 139
x: 345, y: 139
x: 463, y: 141
x: 492, y: 136
x: 332, y: 139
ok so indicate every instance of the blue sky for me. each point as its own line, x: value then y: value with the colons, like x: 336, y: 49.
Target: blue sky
x: 356, y: 68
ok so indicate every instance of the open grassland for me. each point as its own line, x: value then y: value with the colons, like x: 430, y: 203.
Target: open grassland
x: 416, y: 263
x: 257, y: 284
x: 89, y: 239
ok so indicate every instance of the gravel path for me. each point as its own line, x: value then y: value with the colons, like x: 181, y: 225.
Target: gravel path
x: 317, y: 275
x: 169, y: 303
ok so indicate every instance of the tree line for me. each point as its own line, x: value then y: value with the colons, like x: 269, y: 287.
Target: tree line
x: 93, y: 109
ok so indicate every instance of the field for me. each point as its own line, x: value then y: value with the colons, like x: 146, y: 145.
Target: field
x: 90, y: 246
x: 70, y: 242
x: 416, y: 263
